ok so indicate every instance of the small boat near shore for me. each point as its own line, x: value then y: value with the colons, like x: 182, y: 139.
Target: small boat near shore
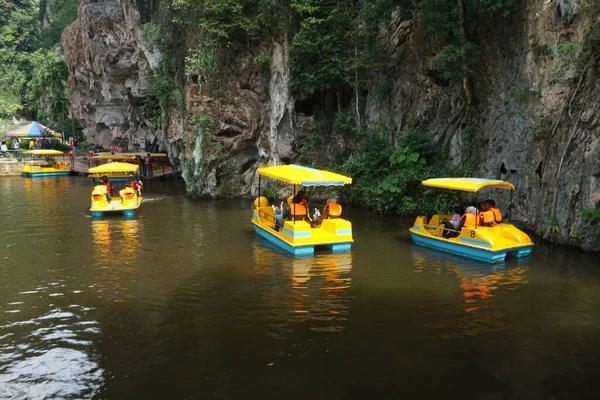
x: 484, y: 243
x: 45, y: 163
x: 297, y: 235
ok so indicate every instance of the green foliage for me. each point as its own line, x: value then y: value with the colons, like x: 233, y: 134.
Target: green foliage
x: 552, y: 225
x: 457, y: 61
x: 387, y: 179
x: 592, y: 216
x: 539, y: 130
x: 159, y: 98
x: 541, y: 52
x: 320, y: 51
x: 261, y: 59
x: 346, y: 123
x: 524, y: 94
x: 33, y: 78
x: 568, y: 49
x: 205, y: 122
x: 63, y: 12
x: 19, y: 30
x: 460, y: 57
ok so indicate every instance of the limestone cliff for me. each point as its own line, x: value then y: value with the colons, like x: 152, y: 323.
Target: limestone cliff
x: 537, y: 122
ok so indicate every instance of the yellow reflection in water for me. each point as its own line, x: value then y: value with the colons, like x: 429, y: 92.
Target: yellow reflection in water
x: 116, y: 250
x: 319, y: 286
x: 479, y: 284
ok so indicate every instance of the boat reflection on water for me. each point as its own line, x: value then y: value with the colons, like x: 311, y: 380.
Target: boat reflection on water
x: 116, y: 248
x: 480, y: 285
x: 319, y: 285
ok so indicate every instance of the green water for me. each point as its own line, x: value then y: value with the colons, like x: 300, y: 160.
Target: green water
x: 183, y: 301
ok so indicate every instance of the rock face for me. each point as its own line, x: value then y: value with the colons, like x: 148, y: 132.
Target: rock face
x: 537, y: 123
x: 108, y: 68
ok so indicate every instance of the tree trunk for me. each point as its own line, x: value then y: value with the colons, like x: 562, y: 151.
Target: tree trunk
x: 358, y: 122
x: 468, y: 83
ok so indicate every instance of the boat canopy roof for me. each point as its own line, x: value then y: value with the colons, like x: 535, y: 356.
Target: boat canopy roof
x: 114, y: 167
x: 467, y: 184
x: 47, y: 152
x: 112, y: 157
x: 305, y: 176
x: 108, y: 155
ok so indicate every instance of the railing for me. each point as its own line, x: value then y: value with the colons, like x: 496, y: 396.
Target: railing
x: 12, y: 154
x: 268, y: 217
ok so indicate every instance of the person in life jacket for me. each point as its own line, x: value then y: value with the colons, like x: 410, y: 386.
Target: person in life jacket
x: 109, y: 189
x: 486, y: 217
x: 135, y: 185
x: 301, y: 211
x: 468, y: 220
x: 496, y: 211
x: 331, y: 210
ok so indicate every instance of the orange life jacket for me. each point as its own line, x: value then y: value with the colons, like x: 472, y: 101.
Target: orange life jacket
x: 470, y: 220
x: 497, y: 214
x: 108, y: 185
x: 486, y: 217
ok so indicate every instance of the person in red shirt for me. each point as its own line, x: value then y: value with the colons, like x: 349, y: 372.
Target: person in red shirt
x: 149, y: 161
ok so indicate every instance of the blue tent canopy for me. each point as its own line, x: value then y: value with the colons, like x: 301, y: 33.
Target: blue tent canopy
x: 33, y: 130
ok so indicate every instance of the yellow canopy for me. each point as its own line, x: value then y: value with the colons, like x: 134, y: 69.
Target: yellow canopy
x: 305, y: 176
x: 112, y: 157
x: 47, y: 152
x: 467, y: 184
x: 130, y: 154
x: 114, y: 167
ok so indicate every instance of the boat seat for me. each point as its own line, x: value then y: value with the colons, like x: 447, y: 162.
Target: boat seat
x: 334, y: 210
x: 298, y: 211
x: 261, y: 201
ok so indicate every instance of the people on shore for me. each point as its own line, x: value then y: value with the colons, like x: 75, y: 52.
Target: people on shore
x: 3, y: 146
x: 31, y: 144
x: 38, y: 144
x: 16, y: 144
x: 142, y: 165
x: 149, y: 162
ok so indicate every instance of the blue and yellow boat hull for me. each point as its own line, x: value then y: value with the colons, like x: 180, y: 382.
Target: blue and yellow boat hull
x: 298, y: 237
x: 490, y: 244
x: 127, y: 206
x: 36, y: 171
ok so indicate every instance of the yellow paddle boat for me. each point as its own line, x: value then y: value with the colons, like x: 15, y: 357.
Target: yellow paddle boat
x: 126, y: 202
x: 44, y: 163
x: 161, y: 162
x: 491, y: 243
x: 297, y: 235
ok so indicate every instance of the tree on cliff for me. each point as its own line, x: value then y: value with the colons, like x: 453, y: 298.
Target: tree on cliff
x: 455, y: 22
x: 18, y: 37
